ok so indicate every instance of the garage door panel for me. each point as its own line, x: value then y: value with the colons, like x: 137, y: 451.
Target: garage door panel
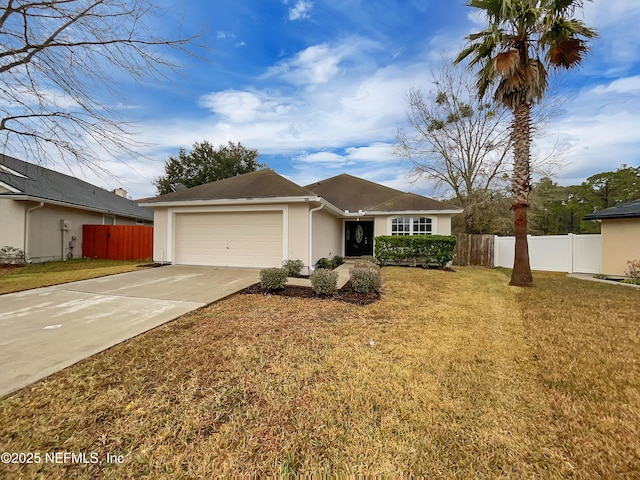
x: 247, y: 239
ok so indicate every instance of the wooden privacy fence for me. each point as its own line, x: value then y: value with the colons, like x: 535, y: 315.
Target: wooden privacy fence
x: 474, y: 250
x: 117, y: 242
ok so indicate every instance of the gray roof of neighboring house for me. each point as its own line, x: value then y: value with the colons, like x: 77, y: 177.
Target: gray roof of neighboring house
x: 44, y: 184
x: 352, y: 193
x: 624, y: 210
x: 259, y: 184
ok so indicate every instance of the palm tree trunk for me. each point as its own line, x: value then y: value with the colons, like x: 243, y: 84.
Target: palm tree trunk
x: 521, y: 186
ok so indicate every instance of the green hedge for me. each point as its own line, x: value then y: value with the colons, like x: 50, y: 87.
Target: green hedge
x: 416, y: 249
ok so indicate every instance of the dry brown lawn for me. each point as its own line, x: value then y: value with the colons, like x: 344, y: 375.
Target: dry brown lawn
x: 16, y: 279
x: 454, y: 375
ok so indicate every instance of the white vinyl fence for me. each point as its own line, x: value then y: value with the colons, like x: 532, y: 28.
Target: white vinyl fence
x: 555, y: 253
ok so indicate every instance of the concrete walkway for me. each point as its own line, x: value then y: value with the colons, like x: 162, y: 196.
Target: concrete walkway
x: 589, y: 277
x: 343, y: 276
x: 47, y: 329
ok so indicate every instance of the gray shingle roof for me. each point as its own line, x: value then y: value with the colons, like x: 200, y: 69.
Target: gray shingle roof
x: 259, y: 184
x: 624, y: 210
x: 46, y: 184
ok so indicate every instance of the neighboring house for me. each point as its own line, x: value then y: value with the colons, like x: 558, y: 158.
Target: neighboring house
x: 260, y: 219
x: 620, y: 236
x: 42, y: 212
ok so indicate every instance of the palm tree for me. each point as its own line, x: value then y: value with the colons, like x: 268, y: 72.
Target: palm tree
x: 523, y: 38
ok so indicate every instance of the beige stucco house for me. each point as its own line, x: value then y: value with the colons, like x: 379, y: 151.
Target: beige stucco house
x: 620, y: 236
x: 260, y: 219
x: 42, y: 211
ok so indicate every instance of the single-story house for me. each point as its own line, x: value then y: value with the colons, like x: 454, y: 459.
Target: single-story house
x: 620, y: 231
x: 260, y: 219
x: 42, y: 211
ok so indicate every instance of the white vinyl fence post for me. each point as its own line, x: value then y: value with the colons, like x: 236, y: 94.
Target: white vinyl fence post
x: 571, y: 253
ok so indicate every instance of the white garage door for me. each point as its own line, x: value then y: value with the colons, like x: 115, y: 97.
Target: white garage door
x: 251, y: 239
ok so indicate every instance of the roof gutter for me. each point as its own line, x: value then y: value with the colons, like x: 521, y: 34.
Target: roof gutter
x: 410, y: 212
x: 229, y: 201
x: 26, y: 228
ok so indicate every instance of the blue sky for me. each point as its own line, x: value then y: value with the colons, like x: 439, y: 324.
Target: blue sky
x: 318, y: 87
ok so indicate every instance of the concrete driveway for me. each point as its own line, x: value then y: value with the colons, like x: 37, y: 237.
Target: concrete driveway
x: 47, y: 329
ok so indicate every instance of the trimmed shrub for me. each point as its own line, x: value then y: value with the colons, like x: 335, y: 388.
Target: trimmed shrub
x: 423, y: 249
x: 273, y: 278
x: 633, y: 272
x: 324, y: 263
x: 369, y: 258
x: 366, y: 278
x: 294, y: 267
x: 324, y: 282
x: 363, y: 263
x: 337, y: 260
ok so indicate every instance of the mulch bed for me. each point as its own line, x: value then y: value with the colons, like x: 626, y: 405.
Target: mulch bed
x: 345, y: 294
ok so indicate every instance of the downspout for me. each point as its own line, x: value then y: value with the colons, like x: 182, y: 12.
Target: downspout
x: 26, y: 229
x: 310, y: 268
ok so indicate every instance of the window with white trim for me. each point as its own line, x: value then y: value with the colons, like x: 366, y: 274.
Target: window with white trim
x: 411, y: 226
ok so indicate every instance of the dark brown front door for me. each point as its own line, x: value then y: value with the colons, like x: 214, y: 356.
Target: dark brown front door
x: 358, y: 239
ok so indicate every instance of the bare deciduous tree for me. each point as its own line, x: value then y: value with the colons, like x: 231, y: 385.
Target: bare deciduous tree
x: 456, y: 140
x: 60, y: 62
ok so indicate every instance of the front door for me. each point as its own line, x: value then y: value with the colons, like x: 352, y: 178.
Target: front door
x: 358, y: 239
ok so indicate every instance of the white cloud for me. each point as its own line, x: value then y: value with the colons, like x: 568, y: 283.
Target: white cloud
x: 376, y: 152
x: 329, y: 158
x: 316, y: 64
x: 301, y: 10
x: 334, y: 107
x: 599, y: 127
x: 245, y: 106
x: 323, y: 63
x: 621, y: 85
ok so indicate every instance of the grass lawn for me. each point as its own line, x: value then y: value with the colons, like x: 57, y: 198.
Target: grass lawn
x: 53, y: 273
x: 453, y: 375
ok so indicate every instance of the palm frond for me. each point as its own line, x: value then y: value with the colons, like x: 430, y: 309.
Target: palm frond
x: 507, y: 63
x: 519, y: 33
x: 492, y: 8
x: 566, y: 53
x: 526, y: 85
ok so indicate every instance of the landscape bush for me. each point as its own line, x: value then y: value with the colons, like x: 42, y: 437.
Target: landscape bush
x: 369, y: 258
x: 330, y: 264
x: 324, y: 282
x: 273, y: 278
x: 365, y: 277
x: 633, y: 272
x: 324, y: 263
x: 294, y: 267
x: 364, y: 263
x: 416, y: 249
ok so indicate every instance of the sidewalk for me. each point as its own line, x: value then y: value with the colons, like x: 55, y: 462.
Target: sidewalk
x: 589, y: 277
